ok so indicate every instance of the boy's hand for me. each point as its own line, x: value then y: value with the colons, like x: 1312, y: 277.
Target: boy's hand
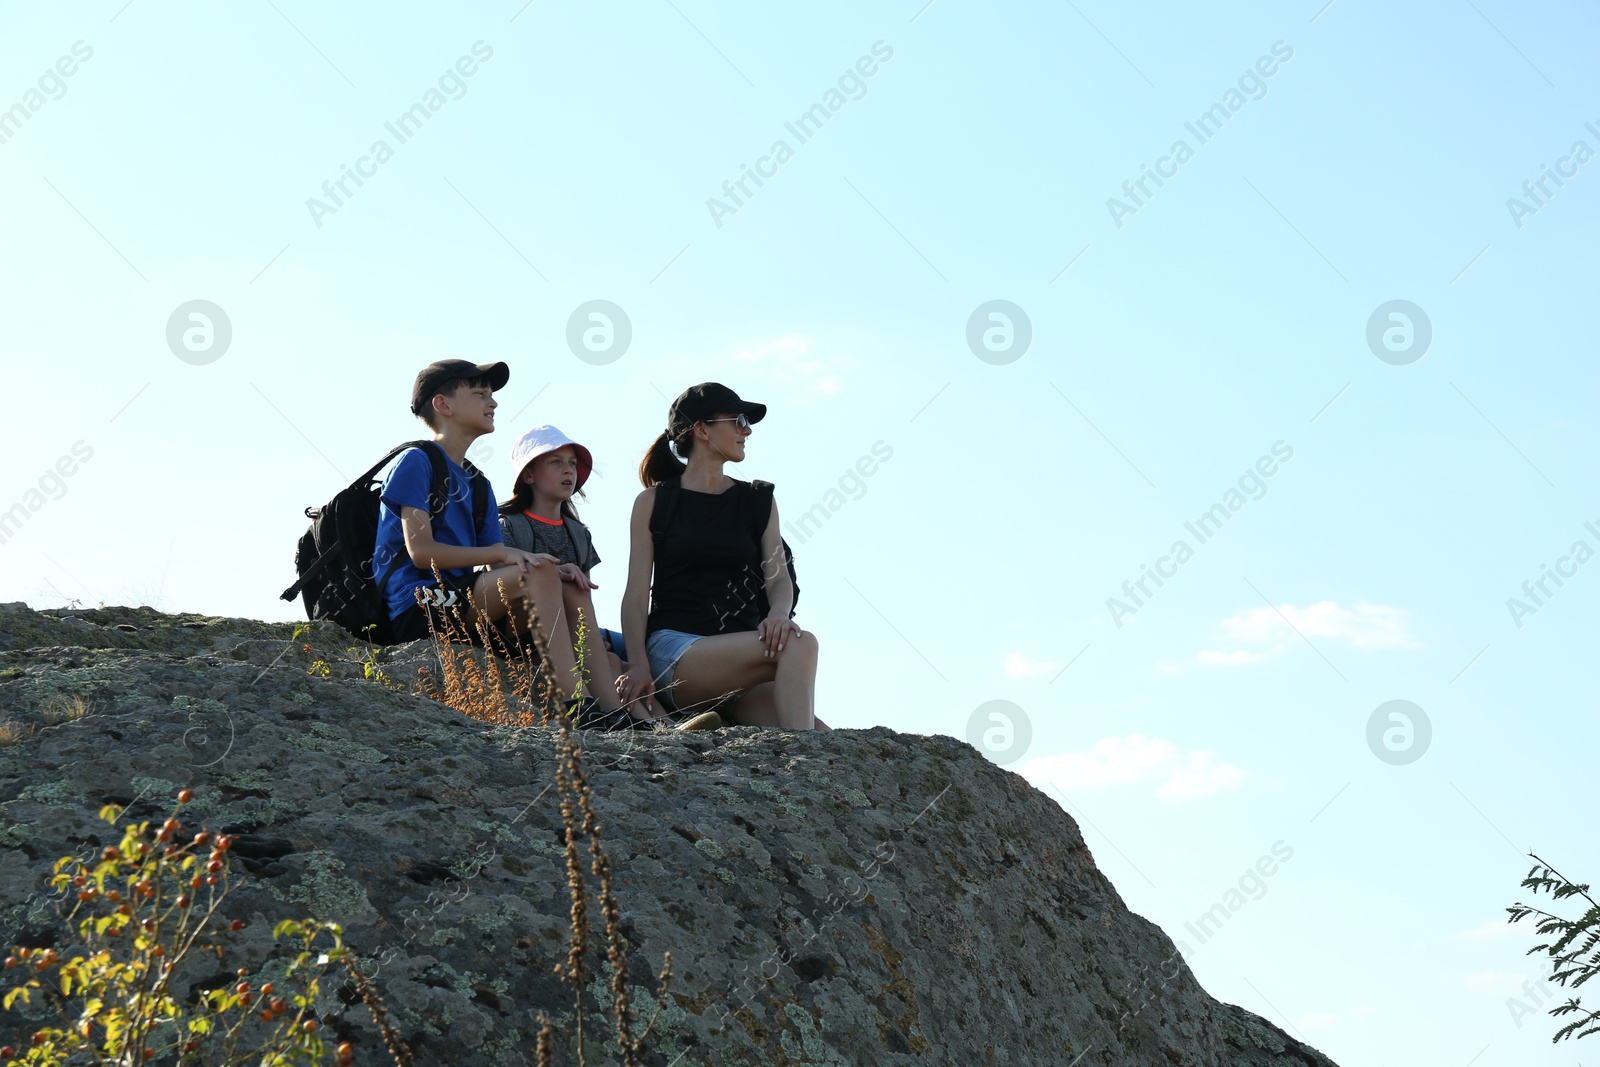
x: 571, y: 572
x: 526, y: 561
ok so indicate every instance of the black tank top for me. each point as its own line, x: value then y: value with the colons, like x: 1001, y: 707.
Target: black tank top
x: 707, y: 565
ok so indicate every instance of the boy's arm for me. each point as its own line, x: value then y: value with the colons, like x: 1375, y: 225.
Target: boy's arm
x: 426, y: 553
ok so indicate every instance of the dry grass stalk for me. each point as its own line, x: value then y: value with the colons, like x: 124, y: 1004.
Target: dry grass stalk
x: 391, y: 1036
x: 12, y: 733
x: 65, y: 709
x: 479, y: 689
x: 545, y: 1055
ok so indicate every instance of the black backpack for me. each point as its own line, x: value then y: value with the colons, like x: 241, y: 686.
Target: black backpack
x: 758, y: 499
x: 334, y: 557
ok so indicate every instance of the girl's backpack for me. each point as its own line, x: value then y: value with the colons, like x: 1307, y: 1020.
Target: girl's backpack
x: 334, y: 557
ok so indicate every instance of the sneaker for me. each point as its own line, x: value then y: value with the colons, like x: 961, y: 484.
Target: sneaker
x: 706, y: 720
x: 586, y: 714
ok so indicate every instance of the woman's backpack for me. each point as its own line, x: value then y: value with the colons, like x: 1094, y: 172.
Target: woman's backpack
x: 758, y: 504
x: 334, y: 557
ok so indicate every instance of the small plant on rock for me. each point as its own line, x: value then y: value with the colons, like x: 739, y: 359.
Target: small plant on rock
x: 131, y: 988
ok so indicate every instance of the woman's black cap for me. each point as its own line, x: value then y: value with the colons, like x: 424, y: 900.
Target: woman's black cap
x: 434, y: 375
x: 705, y: 401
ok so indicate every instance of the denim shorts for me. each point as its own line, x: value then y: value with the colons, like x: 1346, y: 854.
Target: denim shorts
x: 664, y: 648
x: 613, y: 643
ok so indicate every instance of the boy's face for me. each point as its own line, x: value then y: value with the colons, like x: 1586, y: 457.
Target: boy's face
x: 468, y: 407
x: 554, y: 474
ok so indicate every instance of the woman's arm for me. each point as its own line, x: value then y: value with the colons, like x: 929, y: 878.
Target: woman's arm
x: 637, y: 682
x: 777, y: 626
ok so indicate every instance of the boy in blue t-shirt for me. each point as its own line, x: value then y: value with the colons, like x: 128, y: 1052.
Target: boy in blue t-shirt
x: 455, y: 398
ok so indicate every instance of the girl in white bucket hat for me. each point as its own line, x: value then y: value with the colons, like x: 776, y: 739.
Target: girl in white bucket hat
x: 550, y: 469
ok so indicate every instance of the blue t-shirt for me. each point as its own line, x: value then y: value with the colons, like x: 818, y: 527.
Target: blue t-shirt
x: 406, y: 485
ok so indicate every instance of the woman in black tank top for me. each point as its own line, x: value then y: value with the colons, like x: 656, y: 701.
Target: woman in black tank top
x: 704, y: 548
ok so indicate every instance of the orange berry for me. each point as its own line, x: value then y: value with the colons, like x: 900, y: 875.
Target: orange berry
x: 202, y: 839
x: 309, y: 1025
x: 237, y: 924
x: 266, y: 990
x: 12, y: 961
x: 114, y: 896
x: 214, y: 866
x: 110, y: 854
x: 185, y: 795
x: 184, y: 901
x: 80, y: 880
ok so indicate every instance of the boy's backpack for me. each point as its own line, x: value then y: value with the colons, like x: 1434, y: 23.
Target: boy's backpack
x: 758, y: 501
x: 334, y: 557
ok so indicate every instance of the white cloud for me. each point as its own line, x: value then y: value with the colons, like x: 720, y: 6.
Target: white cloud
x: 1200, y: 775
x: 1366, y: 626
x: 1019, y: 665
x: 1495, y: 983
x: 790, y: 362
x: 1493, y: 930
x: 1132, y: 760
x: 1233, y: 657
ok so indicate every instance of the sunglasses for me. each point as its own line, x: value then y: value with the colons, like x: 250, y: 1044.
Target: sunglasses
x: 743, y: 423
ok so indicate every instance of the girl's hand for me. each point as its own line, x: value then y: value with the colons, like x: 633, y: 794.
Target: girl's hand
x: 571, y: 572
x: 775, y: 633
x: 636, y: 684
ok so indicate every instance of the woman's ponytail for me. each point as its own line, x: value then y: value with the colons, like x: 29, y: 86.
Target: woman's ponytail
x: 659, y: 463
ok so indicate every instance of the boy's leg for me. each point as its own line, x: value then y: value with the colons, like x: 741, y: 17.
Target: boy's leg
x: 540, y: 589
x: 602, y: 682
x: 724, y: 663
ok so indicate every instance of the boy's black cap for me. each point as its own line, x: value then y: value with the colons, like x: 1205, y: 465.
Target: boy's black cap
x: 704, y: 401
x: 434, y: 375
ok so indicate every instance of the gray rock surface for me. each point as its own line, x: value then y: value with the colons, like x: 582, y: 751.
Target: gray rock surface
x: 864, y: 897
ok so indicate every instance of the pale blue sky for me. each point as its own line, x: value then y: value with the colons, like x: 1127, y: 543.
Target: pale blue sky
x: 1168, y: 354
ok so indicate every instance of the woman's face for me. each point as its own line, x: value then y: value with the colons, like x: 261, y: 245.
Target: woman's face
x: 725, y: 436
x: 554, y: 474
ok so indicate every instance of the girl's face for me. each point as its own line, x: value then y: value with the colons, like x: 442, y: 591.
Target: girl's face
x: 554, y: 474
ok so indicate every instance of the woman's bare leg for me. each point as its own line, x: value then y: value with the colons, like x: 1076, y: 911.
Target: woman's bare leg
x: 779, y: 691
x: 759, y: 707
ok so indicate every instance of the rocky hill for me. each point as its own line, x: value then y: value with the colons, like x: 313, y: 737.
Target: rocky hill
x: 855, y: 898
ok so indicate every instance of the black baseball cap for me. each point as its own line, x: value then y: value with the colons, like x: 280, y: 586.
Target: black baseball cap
x: 434, y: 375
x: 703, y: 401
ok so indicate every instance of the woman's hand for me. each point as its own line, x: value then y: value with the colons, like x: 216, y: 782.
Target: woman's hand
x: 571, y: 572
x: 775, y: 633
x: 636, y: 684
